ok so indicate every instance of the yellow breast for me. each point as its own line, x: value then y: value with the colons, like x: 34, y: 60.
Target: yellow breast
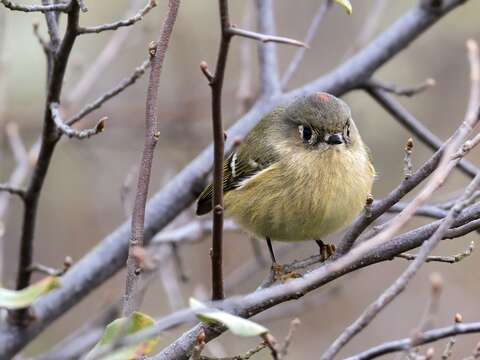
x: 306, y: 196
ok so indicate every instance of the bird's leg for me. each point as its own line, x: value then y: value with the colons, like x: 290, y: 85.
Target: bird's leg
x: 270, y: 249
x: 278, y: 271
x: 326, y: 250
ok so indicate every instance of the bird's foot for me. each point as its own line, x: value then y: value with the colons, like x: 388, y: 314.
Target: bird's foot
x: 326, y: 250
x: 280, y: 274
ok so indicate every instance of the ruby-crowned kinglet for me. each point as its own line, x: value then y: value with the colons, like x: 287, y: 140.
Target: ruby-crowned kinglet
x: 302, y: 173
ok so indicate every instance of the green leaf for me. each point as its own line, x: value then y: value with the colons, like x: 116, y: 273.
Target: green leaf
x: 137, y: 322
x: 21, y: 299
x: 346, y: 5
x: 237, y: 325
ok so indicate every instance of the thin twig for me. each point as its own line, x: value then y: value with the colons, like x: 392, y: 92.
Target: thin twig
x: 407, y: 160
x: 312, y: 29
x: 133, y: 299
x: 216, y: 84
x: 124, y: 84
x: 266, y: 38
x: 404, y: 91
x: 115, y: 25
x: 63, y: 7
x: 101, y: 263
x: 369, y: 27
x: 67, y: 130
x: 452, y: 259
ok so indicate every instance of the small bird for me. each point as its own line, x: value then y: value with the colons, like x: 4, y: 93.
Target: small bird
x: 302, y: 173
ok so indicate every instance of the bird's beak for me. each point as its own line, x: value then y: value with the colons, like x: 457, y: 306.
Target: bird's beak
x: 334, y: 139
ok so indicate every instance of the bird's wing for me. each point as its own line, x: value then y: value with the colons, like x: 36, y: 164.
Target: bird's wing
x: 252, y: 156
x: 238, y: 167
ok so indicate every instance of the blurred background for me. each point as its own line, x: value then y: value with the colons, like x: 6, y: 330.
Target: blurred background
x: 81, y: 201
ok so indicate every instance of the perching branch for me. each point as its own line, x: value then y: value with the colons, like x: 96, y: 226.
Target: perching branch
x: 132, y: 297
x: 115, y: 25
x: 67, y: 130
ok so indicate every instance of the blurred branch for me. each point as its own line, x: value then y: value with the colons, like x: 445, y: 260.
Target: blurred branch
x: 43, y: 43
x: 125, y: 83
x: 83, y: 338
x: 63, y: 7
x: 265, y: 38
x: 49, y: 140
x: 412, y: 124
x: 312, y: 30
x: 452, y: 259
x: 108, y: 257
x: 267, y: 53
x: 114, y: 26
x: 71, y: 132
x: 403, y: 91
x: 132, y: 298
x: 423, y: 338
x: 13, y: 190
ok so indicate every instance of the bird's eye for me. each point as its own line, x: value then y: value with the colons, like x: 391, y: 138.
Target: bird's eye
x: 305, y: 133
x: 347, y: 130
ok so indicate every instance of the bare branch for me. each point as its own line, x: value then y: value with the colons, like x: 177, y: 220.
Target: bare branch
x: 404, y: 91
x: 266, y: 38
x: 124, y: 84
x: 132, y: 298
x: 71, y: 132
x: 114, y: 26
x: 424, y: 338
x: 312, y: 29
x: 63, y: 7
x: 43, y: 43
x: 452, y: 259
